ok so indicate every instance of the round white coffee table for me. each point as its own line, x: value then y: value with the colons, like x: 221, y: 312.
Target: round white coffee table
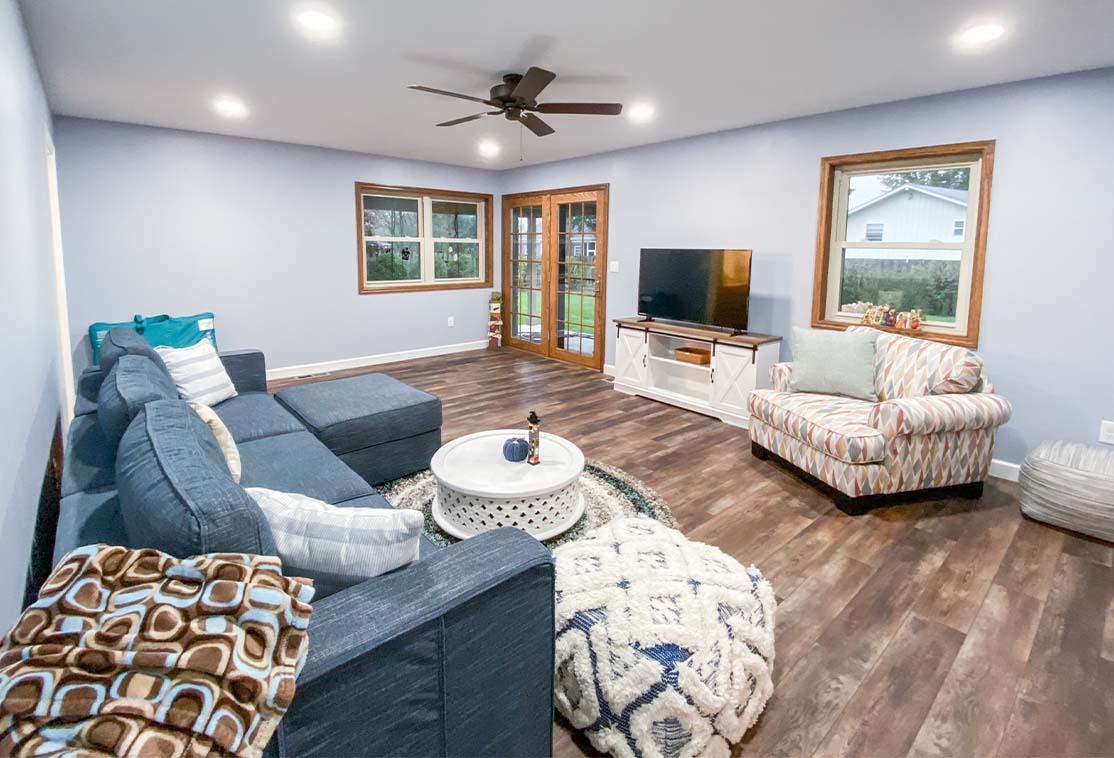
x: 478, y: 489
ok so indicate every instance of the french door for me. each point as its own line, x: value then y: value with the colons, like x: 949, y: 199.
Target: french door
x: 554, y: 273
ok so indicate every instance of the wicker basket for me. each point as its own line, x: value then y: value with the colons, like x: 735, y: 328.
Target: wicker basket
x: 696, y: 355
x: 1070, y: 485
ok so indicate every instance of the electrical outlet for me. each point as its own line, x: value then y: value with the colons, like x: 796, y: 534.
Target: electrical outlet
x: 613, y: 267
x: 452, y: 321
x: 1106, y: 432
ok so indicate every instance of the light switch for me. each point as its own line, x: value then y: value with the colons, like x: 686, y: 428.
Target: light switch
x: 1106, y: 432
x: 613, y: 267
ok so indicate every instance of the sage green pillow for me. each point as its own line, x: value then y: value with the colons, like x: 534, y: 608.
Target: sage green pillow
x: 834, y: 363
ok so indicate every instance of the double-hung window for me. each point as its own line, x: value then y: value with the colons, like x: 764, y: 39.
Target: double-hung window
x: 418, y: 239
x: 907, y: 229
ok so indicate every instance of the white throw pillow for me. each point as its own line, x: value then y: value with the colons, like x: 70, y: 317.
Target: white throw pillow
x: 223, y: 437
x: 198, y: 373
x: 345, y: 545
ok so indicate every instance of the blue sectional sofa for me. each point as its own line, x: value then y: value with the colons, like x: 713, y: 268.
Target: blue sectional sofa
x: 452, y: 655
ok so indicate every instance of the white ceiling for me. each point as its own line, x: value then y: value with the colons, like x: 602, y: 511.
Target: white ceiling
x: 708, y: 65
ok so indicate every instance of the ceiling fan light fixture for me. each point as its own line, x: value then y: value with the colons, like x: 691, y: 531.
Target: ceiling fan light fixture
x: 230, y: 106
x: 641, y: 112
x: 317, y: 22
x: 978, y: 37
x: 488, y: 148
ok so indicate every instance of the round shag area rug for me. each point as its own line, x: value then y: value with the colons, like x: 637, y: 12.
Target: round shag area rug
x: 609, y: 493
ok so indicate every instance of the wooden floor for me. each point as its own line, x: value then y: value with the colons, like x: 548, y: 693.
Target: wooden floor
x: 939, y: 628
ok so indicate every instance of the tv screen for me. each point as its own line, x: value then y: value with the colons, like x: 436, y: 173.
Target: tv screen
x: 703, y: 286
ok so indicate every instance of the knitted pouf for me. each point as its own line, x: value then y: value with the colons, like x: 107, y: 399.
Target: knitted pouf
x: 664, y: 646
x: 1071, y: 485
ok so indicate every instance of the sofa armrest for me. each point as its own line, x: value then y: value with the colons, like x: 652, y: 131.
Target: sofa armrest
x: 450, y: 656
x: 780, y: 374
x: 246, y: 368
x: 932, y: 414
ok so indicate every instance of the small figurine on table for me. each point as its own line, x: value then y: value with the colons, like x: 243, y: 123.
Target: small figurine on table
x: 535, y: 438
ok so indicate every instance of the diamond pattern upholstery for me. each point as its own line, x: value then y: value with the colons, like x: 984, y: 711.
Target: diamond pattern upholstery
x: 934, y: 426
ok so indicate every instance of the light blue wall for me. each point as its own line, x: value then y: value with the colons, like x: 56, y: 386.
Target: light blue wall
x: 29, y: 382
x: 1047, y: 333
x: 260, y: 233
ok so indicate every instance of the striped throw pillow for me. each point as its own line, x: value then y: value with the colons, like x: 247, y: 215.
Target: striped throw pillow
x: 337, y: 545
x: 198, y: 372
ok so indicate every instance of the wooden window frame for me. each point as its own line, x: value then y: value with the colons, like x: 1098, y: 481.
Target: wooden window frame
x: 826, y: 220
x: 421, y: 193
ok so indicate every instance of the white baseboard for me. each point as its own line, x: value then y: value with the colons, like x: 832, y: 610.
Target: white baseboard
x: 609, y: 369
x: 1005, y: 470
x: 325, y: 367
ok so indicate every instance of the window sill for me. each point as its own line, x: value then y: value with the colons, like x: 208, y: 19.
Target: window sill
x: 425, y: 287
x: 960, y: 340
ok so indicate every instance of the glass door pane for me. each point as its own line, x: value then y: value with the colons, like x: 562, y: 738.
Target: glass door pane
x: 525, y: 310
x: 577, y: 280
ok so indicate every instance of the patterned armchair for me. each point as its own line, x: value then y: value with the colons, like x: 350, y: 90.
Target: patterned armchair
x: 933, y: 426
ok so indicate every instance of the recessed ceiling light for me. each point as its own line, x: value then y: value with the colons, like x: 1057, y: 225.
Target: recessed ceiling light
x: 230, y: 106
x: 976, y: 37
x: 641, y: 113
x: 317, y: 23
x: 488, y: 148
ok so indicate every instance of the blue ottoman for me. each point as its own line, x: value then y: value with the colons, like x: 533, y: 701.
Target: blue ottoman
x: 381, y: 427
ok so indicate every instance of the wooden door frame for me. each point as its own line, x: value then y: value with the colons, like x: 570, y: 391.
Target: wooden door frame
x: 549, y: 278
x: 510, y: 202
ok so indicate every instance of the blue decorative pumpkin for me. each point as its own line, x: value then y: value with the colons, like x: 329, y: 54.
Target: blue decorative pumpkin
x: 516, y: 449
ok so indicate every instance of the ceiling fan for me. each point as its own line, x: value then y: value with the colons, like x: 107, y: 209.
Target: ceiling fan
x: 517, y: 100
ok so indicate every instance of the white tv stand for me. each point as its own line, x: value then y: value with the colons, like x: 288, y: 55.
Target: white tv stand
x: 644, y: 365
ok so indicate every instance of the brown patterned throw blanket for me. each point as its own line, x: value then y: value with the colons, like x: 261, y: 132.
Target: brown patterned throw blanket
x: 135, y: 653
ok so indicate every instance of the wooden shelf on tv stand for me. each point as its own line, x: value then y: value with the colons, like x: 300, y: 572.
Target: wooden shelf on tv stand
x: 707, y: 334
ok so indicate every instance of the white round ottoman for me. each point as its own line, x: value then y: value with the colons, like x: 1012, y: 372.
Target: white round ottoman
x: 664, y: 646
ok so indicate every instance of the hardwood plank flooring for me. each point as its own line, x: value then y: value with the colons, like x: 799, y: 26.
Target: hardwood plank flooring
x: 941, y: 627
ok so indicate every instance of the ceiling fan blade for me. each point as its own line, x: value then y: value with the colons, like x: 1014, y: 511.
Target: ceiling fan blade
x: 531, y: 85
x: 456, y: 121
x: 536, y: 125
x: 435, y: 91
x: 591, y: 109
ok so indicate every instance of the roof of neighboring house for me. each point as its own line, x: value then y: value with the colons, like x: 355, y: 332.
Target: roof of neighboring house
x: 957, y: 196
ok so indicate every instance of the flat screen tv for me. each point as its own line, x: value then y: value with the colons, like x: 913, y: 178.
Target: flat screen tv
x: 709, y: 287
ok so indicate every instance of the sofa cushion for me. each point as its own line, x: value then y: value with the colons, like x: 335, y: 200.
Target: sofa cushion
x: 836, y: 426
x: 910, y: 367
x: 361, y: 411
x: 254, y: 415
x: 123, y: 341
x: 175, y: 491
x: 90, y: 458
x: 298, y: 462
x: 88, y: 518
x: 132, y: 382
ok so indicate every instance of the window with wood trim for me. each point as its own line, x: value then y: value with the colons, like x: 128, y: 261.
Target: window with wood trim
x: 907, y: 229
x: 411, y: 238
